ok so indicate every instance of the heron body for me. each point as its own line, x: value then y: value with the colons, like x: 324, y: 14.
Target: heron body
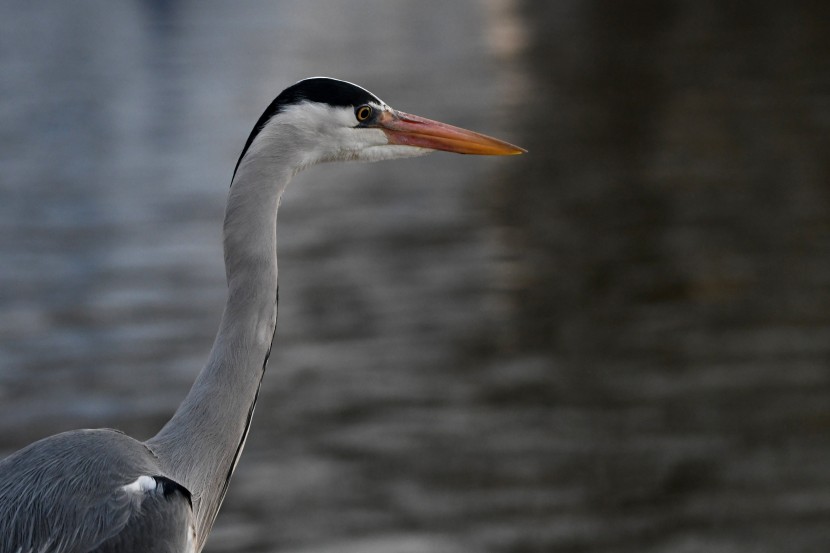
x: 102, y: 491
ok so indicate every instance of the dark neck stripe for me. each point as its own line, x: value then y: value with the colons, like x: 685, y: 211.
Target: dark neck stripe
x: 323, y: 90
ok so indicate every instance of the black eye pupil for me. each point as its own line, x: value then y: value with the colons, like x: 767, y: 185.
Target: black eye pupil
x: 363, y: 113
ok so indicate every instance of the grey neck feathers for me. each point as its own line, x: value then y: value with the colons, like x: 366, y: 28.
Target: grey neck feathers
x: 200, y: 446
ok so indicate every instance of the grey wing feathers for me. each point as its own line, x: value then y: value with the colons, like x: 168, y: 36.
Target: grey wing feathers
x: 71, y: 493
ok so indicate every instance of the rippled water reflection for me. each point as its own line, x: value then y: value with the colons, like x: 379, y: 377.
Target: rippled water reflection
x: 615, y: 343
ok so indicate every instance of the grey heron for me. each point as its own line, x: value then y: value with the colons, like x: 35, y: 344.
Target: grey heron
x: 100, y: 490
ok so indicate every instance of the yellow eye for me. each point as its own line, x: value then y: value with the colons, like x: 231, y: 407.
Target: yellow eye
x: 363, y: 113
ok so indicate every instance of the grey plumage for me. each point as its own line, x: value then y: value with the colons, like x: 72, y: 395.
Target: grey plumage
x: 67, y: 493
x: 100, y: 491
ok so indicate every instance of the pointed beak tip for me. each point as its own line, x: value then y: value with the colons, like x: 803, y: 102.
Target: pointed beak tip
x: 503, y: 149
x: 516, y: 151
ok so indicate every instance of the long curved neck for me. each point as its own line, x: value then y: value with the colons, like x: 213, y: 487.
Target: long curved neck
x: 200, y: 446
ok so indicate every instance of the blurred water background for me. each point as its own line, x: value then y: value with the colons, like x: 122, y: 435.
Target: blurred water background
x: 619, y: 342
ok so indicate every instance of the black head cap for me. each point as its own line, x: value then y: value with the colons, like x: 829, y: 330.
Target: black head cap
x: 323, y: 90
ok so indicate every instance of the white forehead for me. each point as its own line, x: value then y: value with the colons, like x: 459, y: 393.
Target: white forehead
x: 319, y: 116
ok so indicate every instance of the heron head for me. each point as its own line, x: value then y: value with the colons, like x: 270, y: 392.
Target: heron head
x: 324, y: 119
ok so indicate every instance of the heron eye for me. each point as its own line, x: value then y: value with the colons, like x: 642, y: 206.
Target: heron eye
x: 363, y: 113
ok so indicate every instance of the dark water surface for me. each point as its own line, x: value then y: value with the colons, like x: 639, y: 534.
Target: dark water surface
x: 619, y: 342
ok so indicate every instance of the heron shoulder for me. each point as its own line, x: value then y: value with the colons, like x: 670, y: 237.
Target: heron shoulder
x: 84, y: 487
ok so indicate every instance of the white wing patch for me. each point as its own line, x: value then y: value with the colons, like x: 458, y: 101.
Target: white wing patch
x: 191, y: 539
x: 146, y: 484
x: 142, y: 484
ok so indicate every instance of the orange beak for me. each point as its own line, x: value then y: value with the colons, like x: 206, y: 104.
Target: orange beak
x: 411, y: 130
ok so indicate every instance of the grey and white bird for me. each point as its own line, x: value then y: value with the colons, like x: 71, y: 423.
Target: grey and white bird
x: 102, y: 491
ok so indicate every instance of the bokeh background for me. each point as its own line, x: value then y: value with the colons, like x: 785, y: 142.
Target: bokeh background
x: 619, y: 342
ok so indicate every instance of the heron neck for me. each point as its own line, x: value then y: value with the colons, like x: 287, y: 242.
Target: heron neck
x: 200, y: 446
